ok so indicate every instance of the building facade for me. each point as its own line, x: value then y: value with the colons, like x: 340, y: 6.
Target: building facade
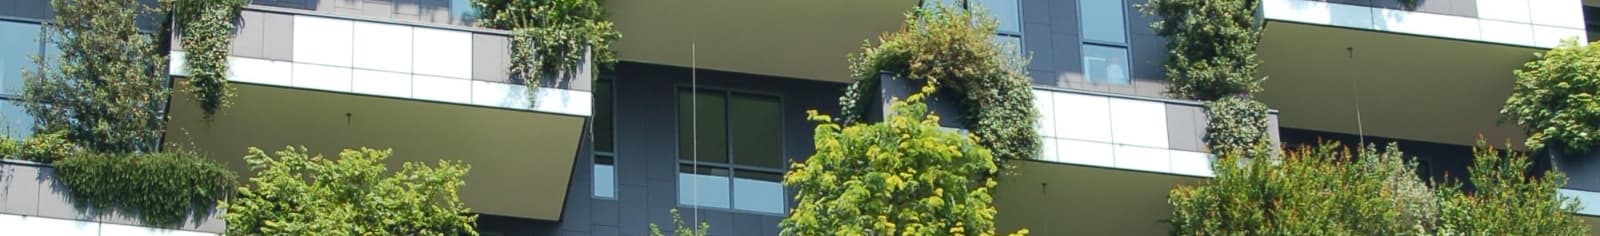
x: 609, y: 153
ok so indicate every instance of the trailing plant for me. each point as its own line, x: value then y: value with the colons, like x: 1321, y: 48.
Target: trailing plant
x: 1211, y: 46
x: 903, y: 176
x: 1507, y: 200
x: 681, y: 229
x: 954, y: 50
x: 107, y: 88
x: 550, y: 36
x: 1235, y: 124
x: 1555, y: 98
x: 206, y: 34
x: 161, y: 189
x: 45, y: 147
x: 1324, y: 190
x: 297, y: 193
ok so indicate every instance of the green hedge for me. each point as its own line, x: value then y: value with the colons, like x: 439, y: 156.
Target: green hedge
x: 160, y: 188
x: 1235, y: 124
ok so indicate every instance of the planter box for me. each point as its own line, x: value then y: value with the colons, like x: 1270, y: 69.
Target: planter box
x: 946, y: 103
x: 1582, y: 169
x: 33, y: 200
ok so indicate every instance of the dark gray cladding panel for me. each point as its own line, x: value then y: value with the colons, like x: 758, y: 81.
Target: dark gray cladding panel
x: 278, y: 43
x: 1182, y: 134
x: 489, y: 55
x: 38, y: 10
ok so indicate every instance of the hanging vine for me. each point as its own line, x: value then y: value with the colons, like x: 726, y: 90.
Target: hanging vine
x: 550, y: 37
x: 206, y: 30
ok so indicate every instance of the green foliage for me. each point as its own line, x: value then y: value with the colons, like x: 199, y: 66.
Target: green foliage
x: 1211, y: 46
x: 550, y: 36
x: 681, y: 230
x: 904, y: 176
x: 44, y: 148
x: 954, y: 49
x: 1310, y: 191
x: 299, y: 194
x: 1554, y: 98
x: 107, y: 89
x: 207, y: 30
x: 160, y: 188
x: 1236, y: 124
x: 1507, y: 200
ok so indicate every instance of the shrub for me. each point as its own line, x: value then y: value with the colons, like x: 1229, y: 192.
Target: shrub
x: 46, y: 148
x: 1235, y: 125
x: 1554, y: 98
x: 1211, y: 46
x: 681, y: 229
x: 1508, y: 201
x: 160, y: 188
x: 550, y: 36
x: 946, y: 48
x: 296, y: 193
x: 207, y: 35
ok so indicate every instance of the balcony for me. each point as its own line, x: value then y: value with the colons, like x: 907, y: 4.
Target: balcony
x: 1528, y: 23
x: 430, y: 91
x: 33, y: 202
x: 1125, y: 132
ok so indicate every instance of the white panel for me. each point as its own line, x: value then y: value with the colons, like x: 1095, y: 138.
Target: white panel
x: 1559, y: 13
x: 514, y: 96
x: 1047, y: 149
x: 1549, y: 37
x: 757, y: 195
x: 1042, y: 100
x: 382, y: 47
x: 1139, y: 123
x: 176, y: 64
x: 563, y: 101
x: 116, y: 229
x: 1082, y: 117
x: 442, y: 53
x: 1586, y: 200
x: 1086, y: 153
x: 1505, y: 10
x: 1319, y: 13
x: 1507, y: 32
x: 605, y: 181
x: 322, y: 40
x: 1191, y: 163
x: 1426, y: 24
x: 441, y: 89
x: 259, y: 71
x: 47, y: 226
x: 1143, y: 158
x: 703, y: 190
x: 382, y: 83
x: 321, y: 77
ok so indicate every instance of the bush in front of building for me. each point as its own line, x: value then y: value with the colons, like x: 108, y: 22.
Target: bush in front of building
x: 681, y: 229
x: 107, y: 89
x: 161, y: 189
x: 1211, y: 46
x: 1508, y: 201
x: 1555, y: 98
x: 904, y: 176
x: 1235, y: 125
x: 298, y: 193
x: 955, y: 50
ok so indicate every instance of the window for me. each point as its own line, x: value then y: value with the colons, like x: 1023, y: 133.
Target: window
x: 1105, y: 41
x: 605, y: 184
x: 1102, y: 64
x: 1008, y: 18
x: 19, y: 42
x: 730, y: 150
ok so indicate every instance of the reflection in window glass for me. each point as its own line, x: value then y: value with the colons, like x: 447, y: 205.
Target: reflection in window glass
x: 1102, y: 21
x: 462, y: 9
x: 18, y: 43
x: 710, y: 134
x: 755, y: 130
x: 18, y: 124
x: 1105, y: 64
x: 1006, y: 13
x: 1010, y: 44
x: 604, y: 151
x: 748, y: 125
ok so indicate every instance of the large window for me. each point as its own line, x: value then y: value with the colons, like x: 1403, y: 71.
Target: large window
x: 1007, y: 15
x: 730, y: 151
x: 19, y: 42
x: 1105, y: 41
x: 605, y: 174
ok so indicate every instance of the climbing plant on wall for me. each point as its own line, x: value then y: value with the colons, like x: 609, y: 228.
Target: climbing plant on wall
x: 954, y: 49
x: 206, y: 33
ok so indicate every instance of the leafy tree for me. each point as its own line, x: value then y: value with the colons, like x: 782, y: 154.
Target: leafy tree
x: 1508, y: 201
x: 299, y: 194
x: 955, y: 50
x: 1310, y: 191
x: 904, y: 176
x: 1554, y: 98
x: 681, y: 230
x: 107, y: 89
x: 1211, y: 46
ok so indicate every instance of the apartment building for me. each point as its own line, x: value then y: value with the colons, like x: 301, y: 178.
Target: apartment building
x: 608, y: 153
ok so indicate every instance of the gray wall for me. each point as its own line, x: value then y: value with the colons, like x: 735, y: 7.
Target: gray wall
x: 647, y: 155
x: 428, y: 11
x: 1050, y: 32
x: 31, y: 189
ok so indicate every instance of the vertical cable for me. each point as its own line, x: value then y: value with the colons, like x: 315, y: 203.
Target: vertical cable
x: 694, y: 98
x: 1355, y: 90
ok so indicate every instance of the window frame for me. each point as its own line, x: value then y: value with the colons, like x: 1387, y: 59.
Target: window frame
x: 732, y: 169
x: 1126, y: 46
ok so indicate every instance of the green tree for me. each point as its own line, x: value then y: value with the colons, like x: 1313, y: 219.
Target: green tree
x: 297, y: 193
x: 1508, y: 201
x: 904, y: 176
x: 1211, y: 46
x: 1554, y: 98
x: 1325, y: 190
x: 681, y: 229
x: 107, y: 89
